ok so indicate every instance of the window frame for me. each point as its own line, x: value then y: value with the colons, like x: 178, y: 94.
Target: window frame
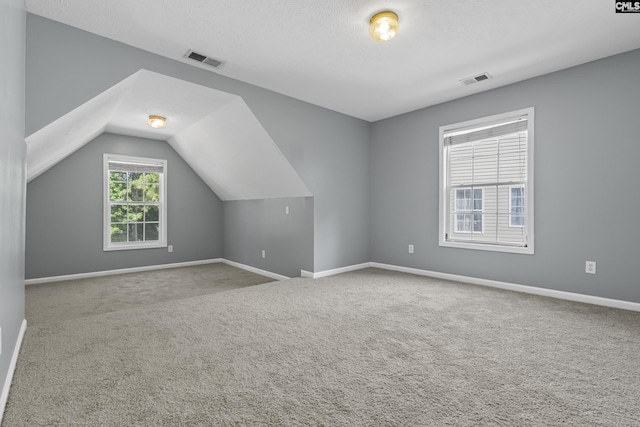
x: 473, y: 211
x: 106, y: 208
x: 444, y: 209
x: 511, y: 213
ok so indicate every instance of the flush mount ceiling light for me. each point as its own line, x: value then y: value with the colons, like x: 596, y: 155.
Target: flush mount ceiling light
x: 384, y: 26
x: 157, y: 122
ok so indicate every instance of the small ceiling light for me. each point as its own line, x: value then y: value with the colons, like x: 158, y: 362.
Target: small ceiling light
x: 384, y: 26
x: 157, y: 122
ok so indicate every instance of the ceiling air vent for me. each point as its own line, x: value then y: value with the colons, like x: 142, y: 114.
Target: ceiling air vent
x: 475, y: 79
x: 215, y: 63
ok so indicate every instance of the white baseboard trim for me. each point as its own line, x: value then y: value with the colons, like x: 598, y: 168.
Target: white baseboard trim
x: 318, y: 275
x: 255, y: 270
x: 153, y: 267
x: 119, y: 271
x: 4, y: 397
x: 306, y: 274
x: 552, y: 293
x: 570, y: 296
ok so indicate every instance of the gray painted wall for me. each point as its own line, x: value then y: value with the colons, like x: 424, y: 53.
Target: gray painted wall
x: 330, y: 151
x: 375, y: 186
x: 12, y: 177
x: 587, y: 149
x: 64, y: 213
x: 251, y: 226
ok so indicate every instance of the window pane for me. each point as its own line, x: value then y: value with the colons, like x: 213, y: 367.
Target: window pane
x: 463, y: 199
x: 136, y: 213
x: 477, y: 199
x: 463, y: 223
x: 477, y: 223
x: 118, y: 176
x: 118, y: 233
x: 117, y: 191
x: 152, y: 193
x: 135, y: 232
x: 136, y: 176
x: 153, y: 213
x: 118, y: 213
x: 136, y: 193
x: 151, y: 232
x: 517, y: 220
x: 152, y: 178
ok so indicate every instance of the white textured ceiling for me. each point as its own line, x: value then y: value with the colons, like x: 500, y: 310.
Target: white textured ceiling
x: 215, y: 133
x: 320, y: 51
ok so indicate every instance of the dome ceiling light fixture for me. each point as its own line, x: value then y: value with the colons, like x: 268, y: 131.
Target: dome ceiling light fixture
x: 384, y: 26
x: 157, y: 122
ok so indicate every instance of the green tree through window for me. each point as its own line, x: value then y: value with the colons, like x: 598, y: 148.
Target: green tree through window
x: 135, y: 205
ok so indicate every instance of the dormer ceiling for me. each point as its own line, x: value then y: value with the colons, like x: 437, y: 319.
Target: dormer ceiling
x: 215, y: 133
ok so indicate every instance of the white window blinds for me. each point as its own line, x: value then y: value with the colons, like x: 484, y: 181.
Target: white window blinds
x: 139, y: 167
x: 496, y: 131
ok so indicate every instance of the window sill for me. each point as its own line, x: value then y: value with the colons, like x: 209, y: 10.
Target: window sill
x: 492, y: 248
x: 129, y: 246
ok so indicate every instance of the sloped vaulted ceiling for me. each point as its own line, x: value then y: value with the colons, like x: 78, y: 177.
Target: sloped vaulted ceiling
x: 215, y: 133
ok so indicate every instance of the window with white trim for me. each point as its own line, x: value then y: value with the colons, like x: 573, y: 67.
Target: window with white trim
x: 134, y: 202
x: 486, y: 183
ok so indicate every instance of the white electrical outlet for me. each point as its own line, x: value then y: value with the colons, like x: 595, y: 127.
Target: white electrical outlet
x: 264, y: 253
x: 590, y: 267
x: 410, y: 249
x: 170, y: 248
x: 286, y: 210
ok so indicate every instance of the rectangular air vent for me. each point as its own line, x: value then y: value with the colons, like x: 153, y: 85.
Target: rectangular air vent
x: 475, y: 79
x: 196, y: 56
x: 212, y: 62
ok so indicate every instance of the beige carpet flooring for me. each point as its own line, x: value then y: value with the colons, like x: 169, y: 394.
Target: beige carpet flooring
x: 53, y: 302
x: 368, y: 348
